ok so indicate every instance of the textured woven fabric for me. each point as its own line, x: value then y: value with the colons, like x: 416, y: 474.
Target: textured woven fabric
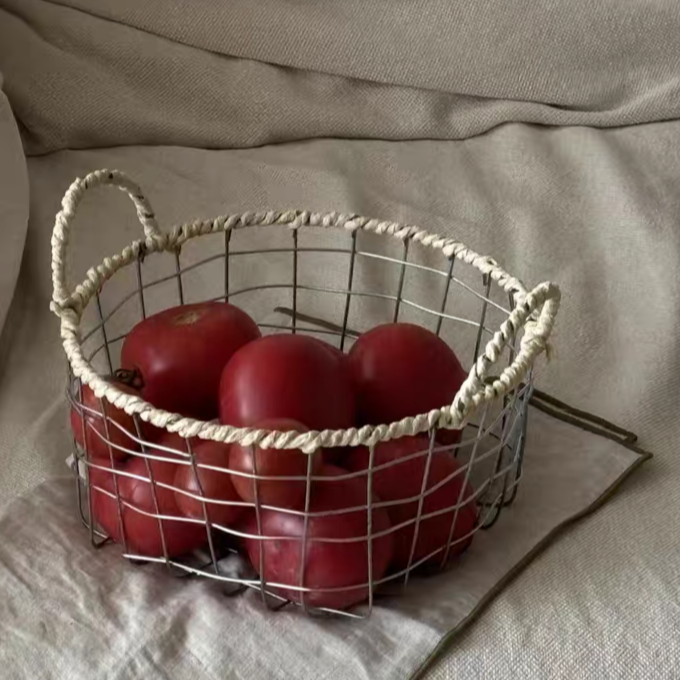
x: 577, y: 599
x: 594, y: 210
x: 89, y: 614
x: 216, y: 74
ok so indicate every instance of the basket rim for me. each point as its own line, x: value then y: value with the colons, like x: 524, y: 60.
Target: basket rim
x: 534, y: 312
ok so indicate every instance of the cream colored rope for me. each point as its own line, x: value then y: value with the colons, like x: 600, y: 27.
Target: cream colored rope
x: 534, y: 311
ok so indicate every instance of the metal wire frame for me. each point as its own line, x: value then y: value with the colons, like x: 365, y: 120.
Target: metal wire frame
x: 487, y: 514
x: 265, y: 588
x: 503, y: 459
x: 404, y: 264
x: 90, y: 416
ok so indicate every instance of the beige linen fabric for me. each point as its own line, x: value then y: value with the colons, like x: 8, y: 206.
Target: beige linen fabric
x: 616, y: 348
x: 69, y: 611
x: 235, y: 74
x: 594, y: 210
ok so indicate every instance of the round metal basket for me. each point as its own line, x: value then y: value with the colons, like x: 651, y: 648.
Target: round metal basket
x: 506, y: 328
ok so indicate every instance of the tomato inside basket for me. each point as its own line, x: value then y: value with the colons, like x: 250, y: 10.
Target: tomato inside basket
x: 256, y: 418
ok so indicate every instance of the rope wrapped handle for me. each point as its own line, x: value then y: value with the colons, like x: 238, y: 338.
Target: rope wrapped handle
x: 65, y: 217
x: 476, y: 391
x: 534, y: 311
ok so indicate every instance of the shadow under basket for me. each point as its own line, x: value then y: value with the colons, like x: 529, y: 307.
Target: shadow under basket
x: 331, y: 276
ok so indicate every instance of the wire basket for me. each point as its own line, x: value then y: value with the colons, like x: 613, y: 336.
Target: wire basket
x: 506, y: 326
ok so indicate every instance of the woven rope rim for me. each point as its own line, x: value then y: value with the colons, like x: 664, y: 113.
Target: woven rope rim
x: 534, y: 312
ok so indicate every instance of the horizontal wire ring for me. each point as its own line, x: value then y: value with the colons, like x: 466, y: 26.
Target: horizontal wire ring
x: 534, y: 312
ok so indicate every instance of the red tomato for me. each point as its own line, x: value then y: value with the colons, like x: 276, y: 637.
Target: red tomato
x: 337, y: 353
x: 326, y: 565
x: 273, y: 463
x: 335, y: 455
x: 180, y: 352
x: 404, y: 480
x: 214, y: 485
x: 171, y: 440
x: 400, y: 370
x: 286, y: 376
x: 142, y: 531
x: 95, y: 427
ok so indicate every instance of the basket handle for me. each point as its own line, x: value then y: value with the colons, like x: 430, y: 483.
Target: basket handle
x: 475, y: 391
x: 65, y: 217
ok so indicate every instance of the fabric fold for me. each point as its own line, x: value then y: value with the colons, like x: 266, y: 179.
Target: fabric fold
x: 108, y: 74
x: 13, y: 204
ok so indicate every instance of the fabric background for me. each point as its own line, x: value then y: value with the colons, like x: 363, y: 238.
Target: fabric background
x: 592, y: 209
x: 583, y: 596
x: 13, y: 204
x: 236, y: 74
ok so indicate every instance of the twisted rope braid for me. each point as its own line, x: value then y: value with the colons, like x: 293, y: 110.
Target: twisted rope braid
x: 534, y: 311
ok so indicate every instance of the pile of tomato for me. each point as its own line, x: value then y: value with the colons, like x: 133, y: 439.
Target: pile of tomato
x: 209, y: 361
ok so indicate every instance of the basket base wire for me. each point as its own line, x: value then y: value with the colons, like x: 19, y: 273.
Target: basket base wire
x: 260, y: 544
x: 204, y: 505
x: 421, y: 501
x: 464, y: 487
x: 87, y: 470
x: 112, y: 461
x: 157, y: 510
x: 507, y: 431
x: 369, y: 525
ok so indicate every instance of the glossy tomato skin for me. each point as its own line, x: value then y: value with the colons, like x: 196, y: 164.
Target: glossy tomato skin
x: 213, y: 485
x: 337, y: 353
x: 180, y: 352
x: 404, y: 480
x: 273, y: 463
x: 142, y: 531
x: 287, y: 376
x: 335, y: 455
x: 95, y: 427
x: 327, y: 565
x: 401, y: 370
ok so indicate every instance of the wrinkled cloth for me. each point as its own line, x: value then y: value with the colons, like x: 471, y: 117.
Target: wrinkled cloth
x: 70, y: 611
x: 240, y: 74
x: 585, y: 589
x: 593, y: 209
